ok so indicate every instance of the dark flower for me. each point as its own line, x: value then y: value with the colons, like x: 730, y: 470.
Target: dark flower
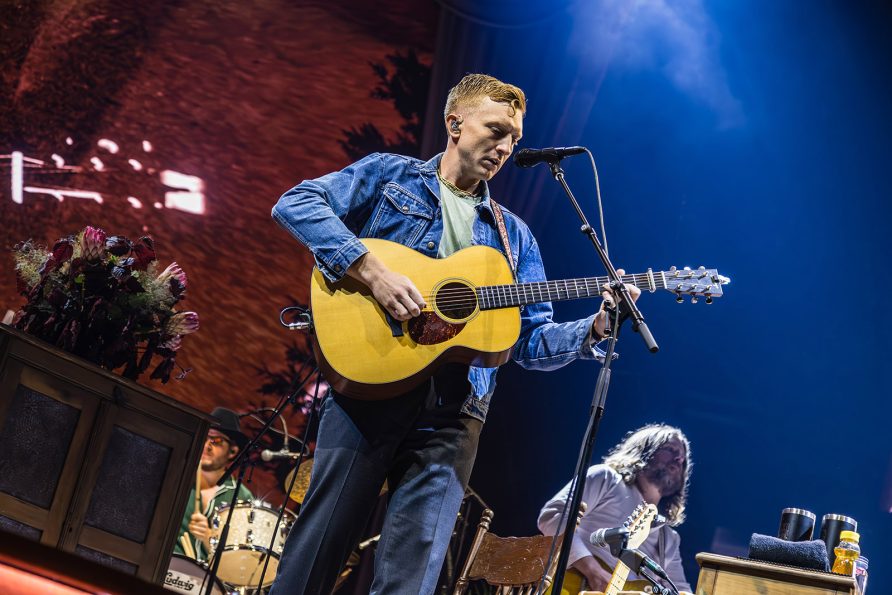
x: 63, y: 250
x: 118, y: 245
x: 143, y: 252
x: 106, y: 306
x: 47, y: 267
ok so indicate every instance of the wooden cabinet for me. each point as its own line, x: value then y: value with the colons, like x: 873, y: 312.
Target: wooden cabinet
x: 92, y: 463
x: 722, y: 575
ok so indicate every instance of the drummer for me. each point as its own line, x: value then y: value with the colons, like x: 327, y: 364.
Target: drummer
x: 223, y: 443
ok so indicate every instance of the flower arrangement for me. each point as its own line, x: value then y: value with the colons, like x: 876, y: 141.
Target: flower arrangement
x: 102, y: 297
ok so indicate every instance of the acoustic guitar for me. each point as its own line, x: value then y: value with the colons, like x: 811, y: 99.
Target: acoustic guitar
x: 472, y: 315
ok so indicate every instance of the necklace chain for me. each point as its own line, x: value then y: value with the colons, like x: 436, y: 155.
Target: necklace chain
x: 455, y: 189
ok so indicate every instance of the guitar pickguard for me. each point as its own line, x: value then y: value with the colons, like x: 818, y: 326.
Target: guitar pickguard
x: 430, y: 329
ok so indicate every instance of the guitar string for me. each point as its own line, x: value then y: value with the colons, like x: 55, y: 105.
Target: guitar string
x: 514, y: 299
x: 506, y: 299
x: 554, y: 285
x: 506, y: 294
x: 536, y: 286
x: 540, y: 287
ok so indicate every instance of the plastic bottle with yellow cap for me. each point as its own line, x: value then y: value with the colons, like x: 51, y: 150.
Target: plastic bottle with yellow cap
x: 846, y: 552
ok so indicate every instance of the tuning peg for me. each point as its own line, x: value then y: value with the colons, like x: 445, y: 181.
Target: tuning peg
x: 709, y: 299
x: 693, y: 299
x: 679, y: 298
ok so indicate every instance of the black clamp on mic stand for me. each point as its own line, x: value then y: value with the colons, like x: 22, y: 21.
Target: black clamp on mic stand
x: 625, y: 308
x: 241, y: 462
x: 641, y: 564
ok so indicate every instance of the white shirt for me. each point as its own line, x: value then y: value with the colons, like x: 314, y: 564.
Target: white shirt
x: 609, y: 501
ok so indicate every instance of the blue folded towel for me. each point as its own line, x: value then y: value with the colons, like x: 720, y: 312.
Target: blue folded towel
x: 805, y: 554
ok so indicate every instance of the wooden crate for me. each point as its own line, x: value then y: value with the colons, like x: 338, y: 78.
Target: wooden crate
x: 92, y: 463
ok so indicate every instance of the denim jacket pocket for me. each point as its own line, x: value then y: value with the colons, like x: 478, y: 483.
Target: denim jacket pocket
x: 402, y: 217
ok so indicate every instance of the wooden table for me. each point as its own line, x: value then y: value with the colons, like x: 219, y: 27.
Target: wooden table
x: 723, y: 575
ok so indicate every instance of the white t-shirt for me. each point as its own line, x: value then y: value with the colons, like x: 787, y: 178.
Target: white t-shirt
x: 609, y: 502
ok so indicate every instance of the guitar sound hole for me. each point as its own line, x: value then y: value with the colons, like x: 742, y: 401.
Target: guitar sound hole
x: 456, y: 300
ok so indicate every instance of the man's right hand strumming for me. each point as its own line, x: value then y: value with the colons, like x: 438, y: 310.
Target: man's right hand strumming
x: 394, y: 292
x: 596, y: 577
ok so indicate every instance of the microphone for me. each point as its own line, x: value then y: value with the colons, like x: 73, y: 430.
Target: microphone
x: 531, y: 157
x: 607, y: 537
x: 271, y: 455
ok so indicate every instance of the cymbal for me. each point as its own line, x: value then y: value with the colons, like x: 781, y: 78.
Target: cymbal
x: 302, y: 483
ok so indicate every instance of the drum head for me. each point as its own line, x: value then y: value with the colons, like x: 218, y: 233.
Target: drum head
x: 241, y: 566
x: 185, y: 575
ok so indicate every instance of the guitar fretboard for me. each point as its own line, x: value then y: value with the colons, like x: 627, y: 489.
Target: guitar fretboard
x: 617, y: 579
x: 492, y: 297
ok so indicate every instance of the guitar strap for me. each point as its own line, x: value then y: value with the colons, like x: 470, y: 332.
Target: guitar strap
x: 503, y: 233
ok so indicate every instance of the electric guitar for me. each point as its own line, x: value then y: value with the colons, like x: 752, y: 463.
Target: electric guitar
x: 472, y: 315
x: 638, y: 523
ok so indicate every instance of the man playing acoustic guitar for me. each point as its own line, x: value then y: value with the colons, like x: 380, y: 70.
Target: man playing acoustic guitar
x: 652, y: 464
x: 422, y: 442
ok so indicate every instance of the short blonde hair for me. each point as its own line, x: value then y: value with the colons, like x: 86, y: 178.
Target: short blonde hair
x: 473, y: 88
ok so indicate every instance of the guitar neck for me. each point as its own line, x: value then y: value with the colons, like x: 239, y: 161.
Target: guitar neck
x: 492, y: 297
x: 617, y: 579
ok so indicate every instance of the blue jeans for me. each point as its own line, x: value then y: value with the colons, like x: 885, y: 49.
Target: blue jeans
x: 424, y: 447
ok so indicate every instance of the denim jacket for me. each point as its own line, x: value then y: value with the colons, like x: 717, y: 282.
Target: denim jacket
x: 397, y: 198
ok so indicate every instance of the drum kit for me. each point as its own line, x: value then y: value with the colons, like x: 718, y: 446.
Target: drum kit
x: 252, y: 539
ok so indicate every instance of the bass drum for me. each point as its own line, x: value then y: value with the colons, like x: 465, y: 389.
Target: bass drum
x: 185, y: 575
x: 251, y: 540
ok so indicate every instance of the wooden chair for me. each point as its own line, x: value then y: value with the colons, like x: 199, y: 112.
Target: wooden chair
x: 516, y: 565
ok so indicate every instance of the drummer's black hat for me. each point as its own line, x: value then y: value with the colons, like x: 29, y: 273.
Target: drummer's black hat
x: 228, y: 424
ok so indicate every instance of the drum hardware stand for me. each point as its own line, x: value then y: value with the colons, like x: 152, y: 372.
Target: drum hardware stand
x: 241, y: 462
x: 625, y: 308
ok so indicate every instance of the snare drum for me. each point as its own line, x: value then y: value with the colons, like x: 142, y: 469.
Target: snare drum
x: 248, y: 543
x: 185, y: 575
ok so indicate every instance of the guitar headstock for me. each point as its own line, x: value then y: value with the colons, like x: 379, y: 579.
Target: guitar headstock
x: 638, y: 524
x: 697, y: 283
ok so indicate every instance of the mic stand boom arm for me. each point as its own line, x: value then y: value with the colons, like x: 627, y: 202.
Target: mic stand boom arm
x: 625, y: 308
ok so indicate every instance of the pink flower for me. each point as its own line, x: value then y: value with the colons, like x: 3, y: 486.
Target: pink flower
x: 92, y: 243
x: 181, y: 323
x: 174, y: 273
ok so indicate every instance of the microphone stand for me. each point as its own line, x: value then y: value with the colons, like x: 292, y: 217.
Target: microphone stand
x: 240, y: 462
x: 300, y: 459
x: 625, y: 308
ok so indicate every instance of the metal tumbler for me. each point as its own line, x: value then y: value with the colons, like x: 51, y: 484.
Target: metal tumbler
x: 831, y: 526
x: 796, y: 524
